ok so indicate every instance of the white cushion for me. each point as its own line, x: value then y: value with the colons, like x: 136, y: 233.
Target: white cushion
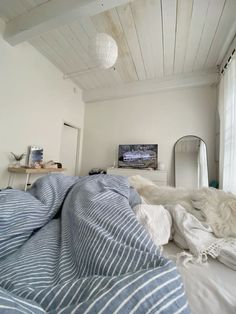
x: 156, y: 220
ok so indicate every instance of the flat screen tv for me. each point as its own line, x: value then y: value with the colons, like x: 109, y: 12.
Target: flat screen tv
x: 138, y: 156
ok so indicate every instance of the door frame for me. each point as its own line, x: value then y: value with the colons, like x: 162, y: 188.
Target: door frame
x: 78, y: 145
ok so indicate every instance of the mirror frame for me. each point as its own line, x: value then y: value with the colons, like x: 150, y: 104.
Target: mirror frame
x: 174, y: 155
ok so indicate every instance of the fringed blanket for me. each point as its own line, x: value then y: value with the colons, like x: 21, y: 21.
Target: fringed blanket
x: 74, y: 245
x: 198, y: 237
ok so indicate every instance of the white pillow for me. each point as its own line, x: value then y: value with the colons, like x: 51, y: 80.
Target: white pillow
x: 156, y: 220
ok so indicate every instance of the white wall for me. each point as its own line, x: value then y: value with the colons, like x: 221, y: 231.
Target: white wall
x: 160, y: 118
x: 34, y: 102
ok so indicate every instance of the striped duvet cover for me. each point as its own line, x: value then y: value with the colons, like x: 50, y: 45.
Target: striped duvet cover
x: 74, y: 245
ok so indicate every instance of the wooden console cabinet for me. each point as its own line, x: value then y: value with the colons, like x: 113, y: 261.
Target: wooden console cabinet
x: 156, y: 176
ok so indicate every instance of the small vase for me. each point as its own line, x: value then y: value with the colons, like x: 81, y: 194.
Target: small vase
x: 17, y: 164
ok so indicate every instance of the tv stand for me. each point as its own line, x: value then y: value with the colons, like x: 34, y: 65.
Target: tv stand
x: 158, y: 177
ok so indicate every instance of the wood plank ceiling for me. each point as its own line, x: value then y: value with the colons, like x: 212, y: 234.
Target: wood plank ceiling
x: 156, y: 39
x: 9, y: 9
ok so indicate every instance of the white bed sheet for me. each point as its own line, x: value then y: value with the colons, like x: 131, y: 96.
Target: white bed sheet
x: 210, y: 288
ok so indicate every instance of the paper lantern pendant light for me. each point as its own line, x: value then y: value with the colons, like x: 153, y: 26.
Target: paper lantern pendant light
x: 103, y: 50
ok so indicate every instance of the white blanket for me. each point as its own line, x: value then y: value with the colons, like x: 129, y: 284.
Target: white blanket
x: 188, y: 233
x: 227, y: 254
x: 198, y: 237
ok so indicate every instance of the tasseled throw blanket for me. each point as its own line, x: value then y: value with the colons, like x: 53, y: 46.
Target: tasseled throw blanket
x: 173, y: 221
x: 199, y: 239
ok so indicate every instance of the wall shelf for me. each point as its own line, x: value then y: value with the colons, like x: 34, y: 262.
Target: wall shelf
x: 28, y: 171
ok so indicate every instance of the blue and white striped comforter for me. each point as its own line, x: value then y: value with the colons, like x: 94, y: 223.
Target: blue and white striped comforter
x: 74, y: 245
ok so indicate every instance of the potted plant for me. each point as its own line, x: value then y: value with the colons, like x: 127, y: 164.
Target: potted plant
x: 17, y: 159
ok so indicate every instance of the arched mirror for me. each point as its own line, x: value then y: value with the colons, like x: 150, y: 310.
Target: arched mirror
x: 191, y: 168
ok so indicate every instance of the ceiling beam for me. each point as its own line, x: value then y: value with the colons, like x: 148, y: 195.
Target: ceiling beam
x: 202, y: 78
x: 52, y: 14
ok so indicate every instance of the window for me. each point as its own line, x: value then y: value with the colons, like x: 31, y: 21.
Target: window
x: 227, y: 109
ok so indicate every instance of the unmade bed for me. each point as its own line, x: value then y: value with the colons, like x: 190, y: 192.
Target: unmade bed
x: 196, y: 229
x: 74, y: 245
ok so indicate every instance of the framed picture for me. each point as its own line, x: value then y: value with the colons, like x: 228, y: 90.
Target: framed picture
x: 35, y: 156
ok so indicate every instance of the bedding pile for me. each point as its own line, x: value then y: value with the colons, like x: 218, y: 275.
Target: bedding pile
x: 202, y: 221
x: 187, y: 232
x: 198, y: 237
x: 215, y: 207
x: 74, y: 245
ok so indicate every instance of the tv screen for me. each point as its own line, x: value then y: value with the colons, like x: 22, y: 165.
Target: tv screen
x: 138, y: 156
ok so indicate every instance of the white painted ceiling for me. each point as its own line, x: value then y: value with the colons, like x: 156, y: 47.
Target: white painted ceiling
x: 156, y: 39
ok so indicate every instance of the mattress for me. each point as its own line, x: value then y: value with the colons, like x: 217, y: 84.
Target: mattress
x: 210, y: 287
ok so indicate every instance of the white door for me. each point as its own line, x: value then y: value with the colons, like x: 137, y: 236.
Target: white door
x: 68, y: 154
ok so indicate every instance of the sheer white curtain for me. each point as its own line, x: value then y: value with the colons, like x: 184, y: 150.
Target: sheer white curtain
x: 227, y: 110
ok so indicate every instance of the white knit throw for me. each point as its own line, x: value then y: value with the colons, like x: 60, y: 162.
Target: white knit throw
x: 196, y: 236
